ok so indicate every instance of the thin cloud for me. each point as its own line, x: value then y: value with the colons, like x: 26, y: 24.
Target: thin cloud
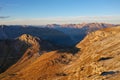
x: 4, y: 17
x: 64, y: 20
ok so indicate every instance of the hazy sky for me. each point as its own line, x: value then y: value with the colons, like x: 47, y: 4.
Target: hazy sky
x: 59, y: 11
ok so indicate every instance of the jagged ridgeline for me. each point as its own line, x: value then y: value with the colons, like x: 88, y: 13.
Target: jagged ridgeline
x: 67, y: 35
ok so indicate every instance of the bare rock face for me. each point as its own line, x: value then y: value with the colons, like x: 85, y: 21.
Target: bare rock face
x: 33, y: 42
x: 29, y: 39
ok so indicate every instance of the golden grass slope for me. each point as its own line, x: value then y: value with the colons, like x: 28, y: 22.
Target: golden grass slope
x: 98, y: 59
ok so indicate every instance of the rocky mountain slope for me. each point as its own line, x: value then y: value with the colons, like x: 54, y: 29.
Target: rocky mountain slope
x: 99, y: 57
x: 95, y: 58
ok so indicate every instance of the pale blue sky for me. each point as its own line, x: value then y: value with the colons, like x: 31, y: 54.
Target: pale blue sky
x: 59, y: 11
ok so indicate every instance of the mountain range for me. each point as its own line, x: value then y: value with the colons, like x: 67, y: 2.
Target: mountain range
x: 63, y: 34
x: 60, y: 52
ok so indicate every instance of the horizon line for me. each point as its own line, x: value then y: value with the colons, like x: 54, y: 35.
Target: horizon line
x: 62, y: 20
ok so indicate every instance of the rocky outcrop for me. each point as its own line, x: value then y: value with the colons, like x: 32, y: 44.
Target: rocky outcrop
x: 34, y: 47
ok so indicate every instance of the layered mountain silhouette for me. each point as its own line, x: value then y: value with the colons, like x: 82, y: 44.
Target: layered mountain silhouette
x: 59, y: 38
x: 78, y: 31
x: 64, y: 35
x: 30, y: 57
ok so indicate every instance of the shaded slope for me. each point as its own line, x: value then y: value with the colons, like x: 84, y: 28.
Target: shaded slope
x: 2, y: 33
x: 49, y: 34
x: 13, y: 50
